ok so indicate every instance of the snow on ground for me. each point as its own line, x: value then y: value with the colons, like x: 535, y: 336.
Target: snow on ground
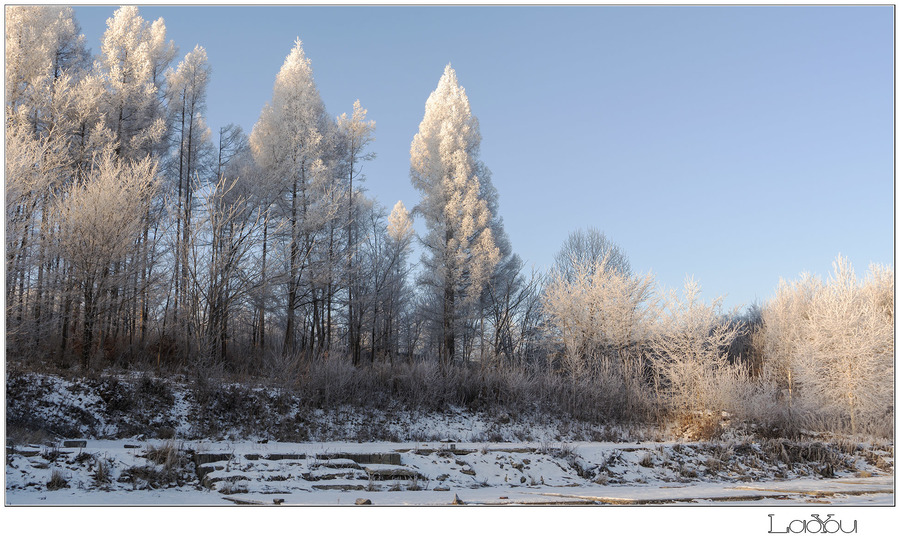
x: 701, y: 495
x: 149, y: 441
x: 336, y: 473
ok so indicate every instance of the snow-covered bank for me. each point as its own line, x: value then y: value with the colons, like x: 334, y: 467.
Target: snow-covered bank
x: 46, y: 406
x: 142, y: 440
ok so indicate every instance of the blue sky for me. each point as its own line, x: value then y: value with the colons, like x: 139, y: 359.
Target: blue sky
x: 735, y: 144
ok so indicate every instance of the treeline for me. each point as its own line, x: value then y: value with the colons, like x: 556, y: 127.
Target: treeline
x: 137, y: 238
x: 134, y: 234
x: 819, y: 355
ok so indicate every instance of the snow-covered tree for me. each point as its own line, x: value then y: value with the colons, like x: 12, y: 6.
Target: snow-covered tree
x: 222, y: 270
x: 597, y: 312
x: 187, y: 103
x: 400, y: 229
x: 400, y: 234
x: 90, y: 135
x: 690, y: 355
x: 134, y: 55
x: 99, y: 222
x: 506, y: 292
x: 289, y: 142
x: 461, y: 253
x: 844, y: 359
x: 511, y: 305
x: 782, y: 332
x: 32, y: 165
x: 354, y: 133
x: 42, y: 43
x: 45, y: 59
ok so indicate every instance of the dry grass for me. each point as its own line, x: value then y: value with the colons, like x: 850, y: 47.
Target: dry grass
x: 167, y: 466
x: 51, y: 453
x: 687, y: 472
x: 233, y: 487
x: 57, y: 481
x: 101, y: 475
x: 167, y: 454
x: 591, y: 409
x: 699, y: 426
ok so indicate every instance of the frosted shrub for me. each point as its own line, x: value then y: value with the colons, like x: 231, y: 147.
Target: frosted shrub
x: 828, y: 349
x: 845, y: 361
x: 599, y: 316
x: 596, y: 311
x: 694, y: 374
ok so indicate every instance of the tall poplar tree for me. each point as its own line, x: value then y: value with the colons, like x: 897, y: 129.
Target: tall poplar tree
x: 187, y: 88
x: 355, y: 133
x: 288, y: 141
x: 461, y: 253
x: 134, y: 56
x: 45, y: 58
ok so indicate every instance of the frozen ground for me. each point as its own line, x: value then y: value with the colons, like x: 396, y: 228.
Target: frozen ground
x: 154, y: 442
x: 159, y: 472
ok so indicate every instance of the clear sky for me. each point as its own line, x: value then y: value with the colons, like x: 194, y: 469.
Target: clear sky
x: 735, y: 144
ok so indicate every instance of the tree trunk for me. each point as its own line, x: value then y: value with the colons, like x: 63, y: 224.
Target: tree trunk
x: 447, y: 325
x: 88, y: 331
x: 292, y: 274
x: 262, y: 304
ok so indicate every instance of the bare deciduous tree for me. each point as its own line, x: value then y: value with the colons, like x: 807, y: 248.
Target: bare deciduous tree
x: 587, y: 248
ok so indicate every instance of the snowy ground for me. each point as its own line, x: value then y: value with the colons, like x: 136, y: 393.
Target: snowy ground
x: 704, y: 495
x: 425, y: 474
x: 148, y: 441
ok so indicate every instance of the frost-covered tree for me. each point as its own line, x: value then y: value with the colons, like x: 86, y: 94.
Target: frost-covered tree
x: 597, y: 312
x: 848, y: 352
x: 45, y: 59
x: 90, y: 135
x: 461, y: 253
x: 382, y: 298
x: 829, y: 347
x: 691, y: 355
x: 99, y: 222
x: 235, y: 216
x: 134, y: 56
x: 42, y: 43
x: 400, y: 235
x: 222, y: 269
x: 354, y: 133
x: 187, y: 103
x: 32, y: 165
x: 289, y: 142
x: 781, y: 334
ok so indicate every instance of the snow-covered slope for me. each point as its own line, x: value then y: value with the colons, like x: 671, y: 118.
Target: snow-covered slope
x: 147, y: 441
